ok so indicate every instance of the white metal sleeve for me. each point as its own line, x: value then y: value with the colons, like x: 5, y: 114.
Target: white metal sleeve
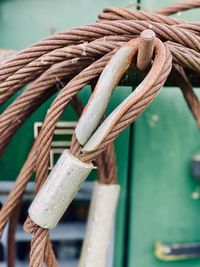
x: 100, y: 225
x: 58, y: 191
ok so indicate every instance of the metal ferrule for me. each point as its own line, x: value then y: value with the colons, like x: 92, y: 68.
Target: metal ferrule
x: 58, y: 191
x: 100, y: 225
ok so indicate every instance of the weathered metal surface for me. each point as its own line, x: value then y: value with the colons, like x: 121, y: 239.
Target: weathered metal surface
x: 58, y: 191
x: 145, y: 49
x: 103, y: 130
x: 98, y: 102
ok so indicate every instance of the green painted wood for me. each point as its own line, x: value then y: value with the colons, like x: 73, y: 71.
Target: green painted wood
x: 162, y: 208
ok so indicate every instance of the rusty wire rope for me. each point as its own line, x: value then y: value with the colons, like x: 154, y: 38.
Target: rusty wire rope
x: 68, y: 61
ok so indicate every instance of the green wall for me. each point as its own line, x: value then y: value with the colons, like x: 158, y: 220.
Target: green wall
x: 162, y: 207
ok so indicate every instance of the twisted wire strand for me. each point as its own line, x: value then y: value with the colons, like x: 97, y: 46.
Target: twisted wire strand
x: 11, y: 80
x: 167, y: 55
x: 38, y: 245
x: 132, y: 112
x: 21, y: 181
x: 107, y: 167
x: 181, y: 55
x: 15, y: 194
x: 18, y: 190
x: 188, y: 93
x: 114, y: 13
x: 19, y: 110
x: 11, y: 250
x: 94, y: 49
x: 49, y: 255
x: 39, y: 91
x: 192, y: 27
x: 102, y: 39
x: 57, y: 41
x: 49, y: 78
x: 106, y: 163
x: 10, y: 130
x: 54, y: 77
x: 56, y: 109
x: 185, y: 57
x: 178, y: 7
x: 56, y: 72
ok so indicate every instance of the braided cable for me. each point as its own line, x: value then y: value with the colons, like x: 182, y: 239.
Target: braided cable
x: 178, y: 7
x: 114, y: 13
x: 12, y: 77
x: 75, y: 58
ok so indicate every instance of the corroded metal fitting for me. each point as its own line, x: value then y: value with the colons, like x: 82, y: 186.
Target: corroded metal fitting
x: 107, y: 82
x: 100, y: 225
x: 145, y: 49
x: 59, y: 189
